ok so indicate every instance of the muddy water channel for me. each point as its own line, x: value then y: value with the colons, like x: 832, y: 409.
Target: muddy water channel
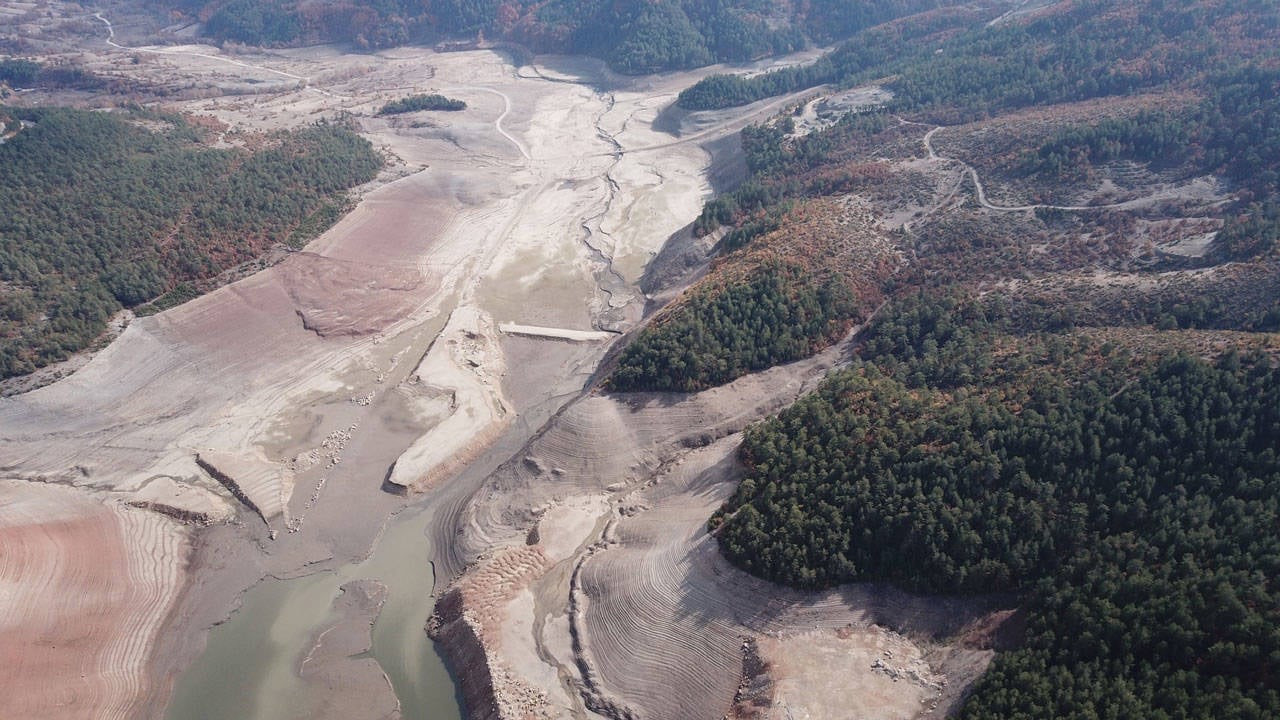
x: 529, y: 248
x: 248, y: 671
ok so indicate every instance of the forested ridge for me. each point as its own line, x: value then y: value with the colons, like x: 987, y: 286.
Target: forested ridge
x: 634, y: 36
x: 781, y: 167
x: 778, y: 312
x: 111, y: 210
x: 776, y: 315
x: 945, y: 66
x: 955, y: 65
x: 1232, y: 132
x: 1078, y: 408
x: 1130, y: 501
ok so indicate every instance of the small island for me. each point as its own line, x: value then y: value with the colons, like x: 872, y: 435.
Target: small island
x: 414, y: 103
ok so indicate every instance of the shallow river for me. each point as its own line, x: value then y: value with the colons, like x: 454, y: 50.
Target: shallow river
x: 248, y: 672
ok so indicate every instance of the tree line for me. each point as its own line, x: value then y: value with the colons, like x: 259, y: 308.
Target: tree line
x: 414, y: 103
x: 633, y: 36
x: 1131, y: 506
x: 777, y: 314
x: 956, y: 66
x: 20, y: 73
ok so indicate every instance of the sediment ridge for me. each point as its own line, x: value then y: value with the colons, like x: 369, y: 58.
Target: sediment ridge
x: 231, y: 485
x: 467, y: 624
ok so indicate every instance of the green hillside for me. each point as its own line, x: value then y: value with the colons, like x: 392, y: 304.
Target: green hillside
x: 105, y: 211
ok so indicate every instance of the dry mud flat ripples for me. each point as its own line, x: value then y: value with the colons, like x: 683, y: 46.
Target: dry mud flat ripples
x: 631, y: 612
x: 288, y: 395
x: 85, y: 587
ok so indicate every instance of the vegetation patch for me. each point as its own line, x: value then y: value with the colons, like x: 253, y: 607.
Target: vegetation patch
x: 102, y: 213
x: 414, y: 103
x: 18, y: 73
x: 799, y: 268
x: 776, y: 315
x: 782, y: 167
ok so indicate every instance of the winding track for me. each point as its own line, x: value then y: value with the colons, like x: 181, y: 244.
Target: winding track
x: 982, y: 191
x: 506, y: 110
x: 111, y: 40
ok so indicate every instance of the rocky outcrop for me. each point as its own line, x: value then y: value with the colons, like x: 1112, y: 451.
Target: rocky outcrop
x: 230, y: 484
x: 466, y: 656
x: 186, y: 517
x: 467, y: 623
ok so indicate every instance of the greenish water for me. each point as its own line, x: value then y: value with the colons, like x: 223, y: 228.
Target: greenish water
x: 247, y: 672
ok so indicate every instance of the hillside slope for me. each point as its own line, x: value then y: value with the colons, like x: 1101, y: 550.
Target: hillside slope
x: 1061, y: 229
x: 634, y: 36
x: 135, y: 209
x: 983, y: 166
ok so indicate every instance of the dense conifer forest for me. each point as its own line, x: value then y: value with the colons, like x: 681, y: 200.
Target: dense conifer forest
x: 1129, y: 501
x: 18, y: 73
x: 634, y: 36
x: 777, y: 315
x: 105, y: 211
x: 956, y: 65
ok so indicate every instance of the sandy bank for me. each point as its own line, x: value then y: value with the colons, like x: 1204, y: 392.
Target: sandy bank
x: 84, y: 586
x: 556, y: 333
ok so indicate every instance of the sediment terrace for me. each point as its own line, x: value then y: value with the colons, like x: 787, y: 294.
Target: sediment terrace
x: 631, y: 612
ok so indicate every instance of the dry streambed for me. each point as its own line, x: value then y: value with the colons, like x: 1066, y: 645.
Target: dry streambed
x: 431, y: 332
x: 251, y: 432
